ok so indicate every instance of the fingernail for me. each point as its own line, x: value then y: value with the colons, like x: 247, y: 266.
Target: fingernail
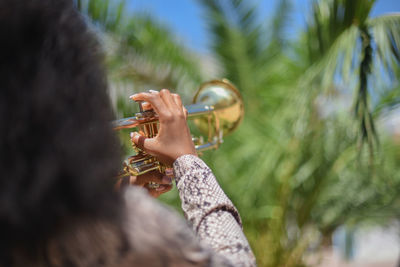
x: 161, y: 188
x: 132, y: 96
x: 153, y: 91
x: 169, y: 172
x: 166, y: 180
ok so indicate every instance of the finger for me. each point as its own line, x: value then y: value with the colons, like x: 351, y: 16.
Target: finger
x: 156, y: 192
x: 142, y: 142
x: 169, y: 172
x: 160, y: 106
x: 166, y: 96
x: 165, y: 180
x: 178, y: 102
x: 153, y: 98
x: 155, y: 177
x: 177, y: 99
x: 146, y: 106
x: 185, y: 112
x: 140, y: 180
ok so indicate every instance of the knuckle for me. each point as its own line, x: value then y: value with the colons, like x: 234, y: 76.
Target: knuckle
x: 154, y: 96
x: 167, y: 117
x: 181, y: 114
x: 164, y: 91
x: 150, y: 97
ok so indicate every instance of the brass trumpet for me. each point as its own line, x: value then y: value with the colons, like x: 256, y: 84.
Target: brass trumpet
x: 217, y: 110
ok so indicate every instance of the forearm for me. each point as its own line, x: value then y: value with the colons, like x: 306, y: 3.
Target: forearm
x: 211, y: 213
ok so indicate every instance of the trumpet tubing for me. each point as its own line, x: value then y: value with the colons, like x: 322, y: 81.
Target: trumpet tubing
x: 217, y: 110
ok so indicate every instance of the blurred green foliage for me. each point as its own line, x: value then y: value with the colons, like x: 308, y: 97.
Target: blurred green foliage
x: 305, y: 160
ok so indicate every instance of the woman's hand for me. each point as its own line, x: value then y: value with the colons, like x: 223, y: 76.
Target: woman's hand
x: 144, y: 180
x: 173, y: 139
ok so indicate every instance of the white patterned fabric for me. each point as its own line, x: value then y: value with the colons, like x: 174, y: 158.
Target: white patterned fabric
x: 211, y: 213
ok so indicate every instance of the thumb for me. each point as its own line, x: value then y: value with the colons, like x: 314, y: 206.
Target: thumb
x: 142, y: 142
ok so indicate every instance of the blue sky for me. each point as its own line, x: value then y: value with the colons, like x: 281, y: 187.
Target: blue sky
x: 186, y: 19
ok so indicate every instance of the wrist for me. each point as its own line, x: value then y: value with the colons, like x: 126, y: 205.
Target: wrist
x: 184, y: 153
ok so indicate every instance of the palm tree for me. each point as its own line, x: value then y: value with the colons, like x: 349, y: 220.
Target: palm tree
x: 141, y: 53
x: 300, y: 161
x: 293, y: 166
x: 358, y: 48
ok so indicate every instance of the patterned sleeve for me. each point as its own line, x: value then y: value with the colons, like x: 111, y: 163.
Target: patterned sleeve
x: 211, y: 213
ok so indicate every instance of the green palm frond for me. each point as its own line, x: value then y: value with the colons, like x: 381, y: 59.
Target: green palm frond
x: 235, y: 36
x: 355, y: 58
x: 389, y: 98
x: 140, y: 38
x: 150, y: 55
x: 141, y: 53
x: 332, y: 17
x: 280, y: 22
x: 247, y: 52
x: 104, y: 13
x: 386, y: 33
x: 362, y: 106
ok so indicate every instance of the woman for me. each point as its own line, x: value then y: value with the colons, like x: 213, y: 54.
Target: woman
x: 58, y: 154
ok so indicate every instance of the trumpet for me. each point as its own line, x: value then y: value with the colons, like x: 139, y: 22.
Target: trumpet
x: 217, y: 110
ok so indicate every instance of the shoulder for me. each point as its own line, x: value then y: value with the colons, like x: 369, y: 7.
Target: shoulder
x: 159, y: 234
x: 149, y: 234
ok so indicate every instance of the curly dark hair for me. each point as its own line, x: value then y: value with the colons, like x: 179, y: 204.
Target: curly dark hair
x: 58, y: 152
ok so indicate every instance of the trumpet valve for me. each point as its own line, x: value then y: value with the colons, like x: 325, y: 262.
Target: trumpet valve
x: 198, y: 140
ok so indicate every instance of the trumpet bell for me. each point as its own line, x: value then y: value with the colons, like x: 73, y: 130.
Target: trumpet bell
x: 223, y: 98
